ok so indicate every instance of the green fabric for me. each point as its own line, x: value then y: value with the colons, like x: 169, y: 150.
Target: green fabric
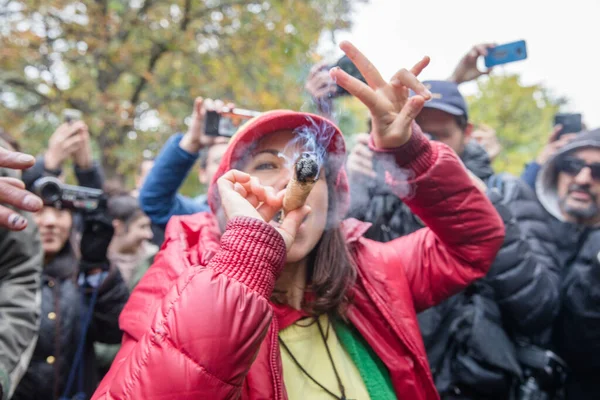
x: 140, y: 271
x: 106, y: 353
x: 4, y: 385
x: 372, y: 370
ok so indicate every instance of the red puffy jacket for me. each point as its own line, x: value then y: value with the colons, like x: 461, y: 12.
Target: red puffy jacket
x: 200, y: 325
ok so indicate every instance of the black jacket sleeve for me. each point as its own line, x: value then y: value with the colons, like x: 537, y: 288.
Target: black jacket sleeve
x: 525, y: 274
x: 578, y: 327
x: 92, y: 178
x: 21, y: 262
x: 112, y: 296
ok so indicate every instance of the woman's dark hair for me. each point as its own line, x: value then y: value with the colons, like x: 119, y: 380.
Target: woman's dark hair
x: 331, y: 269
x: 125, y: 208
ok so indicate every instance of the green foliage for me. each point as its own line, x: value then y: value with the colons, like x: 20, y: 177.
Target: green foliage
x: 134, y: 67
x: 521, y: 115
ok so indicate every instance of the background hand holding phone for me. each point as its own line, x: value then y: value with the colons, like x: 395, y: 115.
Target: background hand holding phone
x: 555, y: 143
x: 467, y: 69
x: 196, y: 138
x: 71, y: 139
x: 360, y: 160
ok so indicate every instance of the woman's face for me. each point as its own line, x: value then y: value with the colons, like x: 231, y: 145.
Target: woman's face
x: 55, y: 228
x: 272, y: 163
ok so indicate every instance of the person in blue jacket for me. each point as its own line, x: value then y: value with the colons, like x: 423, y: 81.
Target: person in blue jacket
x: 158, y: 196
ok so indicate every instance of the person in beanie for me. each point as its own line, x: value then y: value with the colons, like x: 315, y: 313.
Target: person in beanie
x: 243, y: 303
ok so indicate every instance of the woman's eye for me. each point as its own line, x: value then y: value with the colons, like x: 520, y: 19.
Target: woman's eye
x: 265, y: 166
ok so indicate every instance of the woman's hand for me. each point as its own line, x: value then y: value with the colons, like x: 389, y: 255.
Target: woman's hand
x: 392, y: 110
x: 244, y: 196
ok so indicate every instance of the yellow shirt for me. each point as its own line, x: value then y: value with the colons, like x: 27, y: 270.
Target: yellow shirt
x: 306, y: 344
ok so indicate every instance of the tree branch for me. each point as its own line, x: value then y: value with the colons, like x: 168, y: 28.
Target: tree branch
x: 26, y: 86
x: 158, y: 49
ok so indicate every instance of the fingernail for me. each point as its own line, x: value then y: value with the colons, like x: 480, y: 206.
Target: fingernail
x: 25, y: 158
x: 32, y: 202
x: 17, y: 221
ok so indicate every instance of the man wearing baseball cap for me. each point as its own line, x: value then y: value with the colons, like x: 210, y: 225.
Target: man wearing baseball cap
x: 520, y: 293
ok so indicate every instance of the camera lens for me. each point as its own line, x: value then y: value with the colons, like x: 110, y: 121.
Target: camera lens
x: 50, y: 192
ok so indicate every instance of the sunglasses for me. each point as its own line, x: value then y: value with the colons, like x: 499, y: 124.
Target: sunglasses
x: 574, y: 165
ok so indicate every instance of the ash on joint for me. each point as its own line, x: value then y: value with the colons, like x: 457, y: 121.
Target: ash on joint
x: 307, y: 168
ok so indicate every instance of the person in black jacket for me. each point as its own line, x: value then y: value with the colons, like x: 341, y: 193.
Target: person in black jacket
x: 519, y: 298
x: 20, y: 269
x: 568, y: 186
x: 68, y: 286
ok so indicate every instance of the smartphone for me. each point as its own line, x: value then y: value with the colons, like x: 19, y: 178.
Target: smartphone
x: 346, y: 65
x: 506, y: 53
x: 70, y: 115
x: 227, y: 122
x: 571, y: 123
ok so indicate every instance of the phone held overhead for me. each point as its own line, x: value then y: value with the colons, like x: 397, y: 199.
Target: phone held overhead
x: 227, y: 122
x: 570, y: 123
x: 506, y: 53
x: 71, y: 115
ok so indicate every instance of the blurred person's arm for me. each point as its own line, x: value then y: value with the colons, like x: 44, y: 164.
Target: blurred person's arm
x: 70, y: 140
x: 467, y: 69
x: 97, y: 274
x: 113, y: 293
x: 158, y: 197
x: 321, y: 88
x: 21, y: 261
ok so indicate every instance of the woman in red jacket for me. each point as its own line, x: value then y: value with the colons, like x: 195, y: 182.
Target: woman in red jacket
x: 241, y: 306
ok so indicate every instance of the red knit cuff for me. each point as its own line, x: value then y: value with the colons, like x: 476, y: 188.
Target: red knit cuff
x: 252, y: 252
x: 417, y: 155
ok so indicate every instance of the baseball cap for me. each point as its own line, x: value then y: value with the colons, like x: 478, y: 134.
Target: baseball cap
x: 445, y: 97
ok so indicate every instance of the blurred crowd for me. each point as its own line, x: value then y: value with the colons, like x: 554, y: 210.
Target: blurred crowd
x: 79, y: 263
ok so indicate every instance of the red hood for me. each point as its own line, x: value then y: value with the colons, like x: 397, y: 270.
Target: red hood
x: 274, y: 121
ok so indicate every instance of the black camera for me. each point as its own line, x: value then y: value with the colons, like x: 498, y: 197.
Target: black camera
x: 346, y: 65
x: 56, y: 194
x: 544, y: 371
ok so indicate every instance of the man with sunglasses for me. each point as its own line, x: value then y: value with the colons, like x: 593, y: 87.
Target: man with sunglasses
x: 568, y: 186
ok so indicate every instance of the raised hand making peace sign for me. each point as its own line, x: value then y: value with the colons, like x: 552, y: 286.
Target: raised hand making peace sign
x: 392, y: 110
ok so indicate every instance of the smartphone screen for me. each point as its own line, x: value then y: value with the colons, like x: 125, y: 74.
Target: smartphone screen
x: 227, y: 123
x: 211, y: 123
x: 571, y: 123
